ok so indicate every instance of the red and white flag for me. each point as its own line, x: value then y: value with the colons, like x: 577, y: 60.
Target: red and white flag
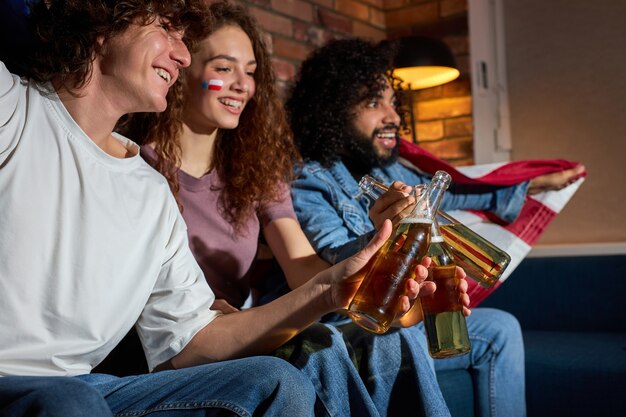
x: 515, y: 238
x: 214, y: 85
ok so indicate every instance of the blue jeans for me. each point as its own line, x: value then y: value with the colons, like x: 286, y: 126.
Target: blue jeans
x: 244, y: 387
x: 356, y: 373
x: 32, y: 396
x: 496, y: 363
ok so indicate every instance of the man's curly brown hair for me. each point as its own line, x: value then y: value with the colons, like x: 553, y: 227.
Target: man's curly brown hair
x: 253, y: 160
x: 331, y: 83
x: 69, y: 34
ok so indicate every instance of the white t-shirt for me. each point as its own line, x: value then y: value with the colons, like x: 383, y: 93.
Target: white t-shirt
x: 89, y: 245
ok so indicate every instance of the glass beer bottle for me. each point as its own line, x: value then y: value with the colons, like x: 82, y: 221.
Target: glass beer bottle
x: 377, y: 301
x: 444, y: 322
x: 481, y: 260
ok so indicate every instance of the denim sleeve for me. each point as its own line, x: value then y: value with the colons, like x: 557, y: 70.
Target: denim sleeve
x: 504, y: 202
x: 321, y: 222
x: 509, y: 201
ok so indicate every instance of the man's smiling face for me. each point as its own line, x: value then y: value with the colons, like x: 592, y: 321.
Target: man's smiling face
x: 374, y: 129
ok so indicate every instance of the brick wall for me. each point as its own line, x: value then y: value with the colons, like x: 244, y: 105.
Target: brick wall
x: 444, y: 113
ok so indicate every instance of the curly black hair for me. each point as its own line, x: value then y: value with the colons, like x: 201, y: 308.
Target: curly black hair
x: 331, y: 82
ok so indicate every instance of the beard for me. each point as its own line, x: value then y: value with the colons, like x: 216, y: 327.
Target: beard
x: 360, y: 154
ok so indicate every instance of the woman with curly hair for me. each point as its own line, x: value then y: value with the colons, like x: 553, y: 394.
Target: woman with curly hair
x: 227, y: 152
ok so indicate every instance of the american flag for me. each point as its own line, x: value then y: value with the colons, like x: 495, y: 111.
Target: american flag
x: 516, y: 238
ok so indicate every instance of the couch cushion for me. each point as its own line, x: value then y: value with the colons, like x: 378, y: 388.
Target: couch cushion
x: 575, y: 374
x: 574, y: 328
x: 566, y: 294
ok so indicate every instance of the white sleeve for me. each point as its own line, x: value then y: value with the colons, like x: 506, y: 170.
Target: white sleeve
x: 179, y: 305
x: 9, y: 96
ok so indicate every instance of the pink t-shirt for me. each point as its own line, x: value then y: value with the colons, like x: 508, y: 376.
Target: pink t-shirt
x: 224, y: 256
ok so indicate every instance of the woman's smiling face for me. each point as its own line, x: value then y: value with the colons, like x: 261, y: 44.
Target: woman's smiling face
x: 220, y: 80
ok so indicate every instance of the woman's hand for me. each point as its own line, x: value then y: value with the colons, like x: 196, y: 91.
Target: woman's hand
x: 462, y: 288
x: 414, y: 315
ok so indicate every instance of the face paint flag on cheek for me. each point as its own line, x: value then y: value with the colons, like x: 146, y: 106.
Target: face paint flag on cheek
x: 215, y: 85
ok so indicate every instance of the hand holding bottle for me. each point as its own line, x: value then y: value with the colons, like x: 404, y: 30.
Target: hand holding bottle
x: 394, y: 203
x: 483, y: 261
x: 341, y: 281
x: 444, y: 321
x: 377, y: 302
x: 415, y: 314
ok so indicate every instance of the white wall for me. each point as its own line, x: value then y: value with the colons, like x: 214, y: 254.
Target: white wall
x: 566, y: 84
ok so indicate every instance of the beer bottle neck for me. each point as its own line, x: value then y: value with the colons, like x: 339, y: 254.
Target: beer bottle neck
x: 372, y: 187
x: 428, y: 202
x: 435, y: 233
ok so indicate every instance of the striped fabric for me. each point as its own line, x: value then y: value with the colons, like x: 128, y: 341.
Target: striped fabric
x: 518, y: 237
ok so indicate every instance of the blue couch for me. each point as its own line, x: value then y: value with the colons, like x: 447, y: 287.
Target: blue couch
x: 573, y: 316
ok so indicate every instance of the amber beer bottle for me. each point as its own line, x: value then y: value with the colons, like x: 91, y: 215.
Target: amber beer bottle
x: 481, y: 260
x: 377, y: 301
x: 446, y: 329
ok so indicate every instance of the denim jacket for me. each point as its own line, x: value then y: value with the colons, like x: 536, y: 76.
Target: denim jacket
x: 333, y: 211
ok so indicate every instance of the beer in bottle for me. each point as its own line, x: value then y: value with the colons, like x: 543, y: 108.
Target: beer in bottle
x: 481, y: 260
x: 446, y: 329
x: 377, y: 301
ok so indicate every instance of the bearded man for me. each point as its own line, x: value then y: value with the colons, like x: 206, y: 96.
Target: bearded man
x: 344, y: 114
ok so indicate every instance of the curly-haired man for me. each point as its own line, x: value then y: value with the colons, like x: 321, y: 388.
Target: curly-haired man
x: 93, y: 242
x: 345, y: 117
x: 344, y: 114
